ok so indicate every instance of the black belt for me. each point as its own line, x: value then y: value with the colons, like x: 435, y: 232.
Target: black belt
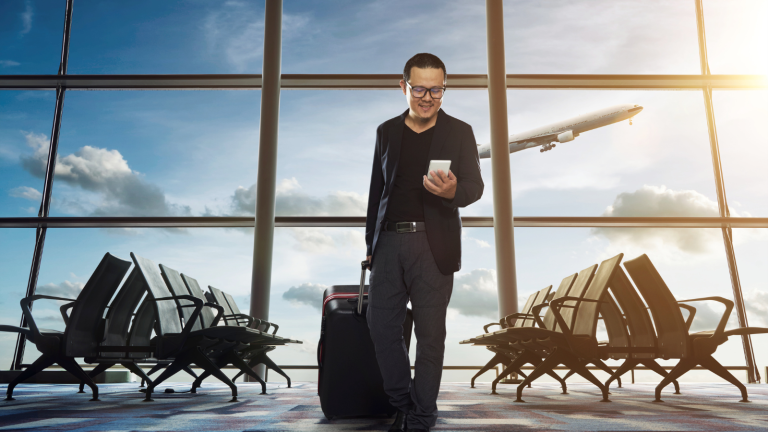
x: 405, y: 227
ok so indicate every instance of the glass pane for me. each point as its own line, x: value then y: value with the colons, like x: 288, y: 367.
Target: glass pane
x: 154, y: 153
x: 379, y: 37
x: 752, y: 254
x: 15, y: 259
x: 309, y: 260
x: 26, y: 118
x: 744, y: 154
x: 30, y: 37
x: 691, y: 262
x: 327, y: 141
x: 214, y: 256
x: 169, y: 37
x: 600, y: 37
x: 737, y: 38
x: 658, y: 166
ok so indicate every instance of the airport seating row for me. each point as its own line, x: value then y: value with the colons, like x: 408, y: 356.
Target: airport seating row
x: 156, y: 316
x: 643, y: 325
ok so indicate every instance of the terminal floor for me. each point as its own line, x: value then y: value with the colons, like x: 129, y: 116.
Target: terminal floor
x: 702, y: 406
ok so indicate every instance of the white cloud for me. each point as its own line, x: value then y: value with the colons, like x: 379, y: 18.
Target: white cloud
x: 26, y: 192
x: 306, y: 294
x: 474, y: 294
x: 481, y: 243
x: 64, y: 289
x: 659, y: 201
x: 313, y: 240
x: 290, y: 200
x: 26, y: 18
x: 709, y: 313
x: 8, y: 63
x: 323, y: 241
x: 121, y: 190
x: 237, y: 30
x: 756, y: 303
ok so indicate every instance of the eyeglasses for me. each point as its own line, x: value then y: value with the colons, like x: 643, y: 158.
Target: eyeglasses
x: 420, y: 92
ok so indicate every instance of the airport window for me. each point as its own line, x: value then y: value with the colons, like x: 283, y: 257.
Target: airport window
x: 18, y: 246
x: 30, y: 30
x: 744, y: 154
x: 317, y: 39
x: 736, y: 36
x: 620, y: 37
x: 183, y: 37
x: 193, y: 155
x: 324, y: 155
x: 607, y: 170
x: 148, y: 153
x: 25, y: 122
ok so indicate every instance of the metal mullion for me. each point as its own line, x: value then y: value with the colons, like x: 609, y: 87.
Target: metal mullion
x: 377, y: 82
x: 359, y: 221
x: 753, y: 373
x: 45, y: 203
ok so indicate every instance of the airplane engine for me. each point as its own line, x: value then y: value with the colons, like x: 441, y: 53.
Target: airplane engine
x: 565, y: 136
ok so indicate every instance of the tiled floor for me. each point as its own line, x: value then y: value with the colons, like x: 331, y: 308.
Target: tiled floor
x: 702, y: 406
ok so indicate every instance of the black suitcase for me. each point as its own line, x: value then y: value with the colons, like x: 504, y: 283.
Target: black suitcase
x: 349, y: 382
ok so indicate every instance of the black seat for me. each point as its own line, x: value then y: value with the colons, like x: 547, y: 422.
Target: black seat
x: 84, y: 326
x: 117, y: 326
x: 674, y: 340
x: 182, y: 343
x: 227, y: 351
x: 257, y: 355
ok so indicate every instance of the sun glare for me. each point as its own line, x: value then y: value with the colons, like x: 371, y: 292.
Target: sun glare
x: 737, y: 37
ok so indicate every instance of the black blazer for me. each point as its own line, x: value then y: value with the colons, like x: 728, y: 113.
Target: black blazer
x: 453, y: 140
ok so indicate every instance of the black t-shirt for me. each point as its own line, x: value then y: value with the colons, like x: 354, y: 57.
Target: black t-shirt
x: 406, y: 204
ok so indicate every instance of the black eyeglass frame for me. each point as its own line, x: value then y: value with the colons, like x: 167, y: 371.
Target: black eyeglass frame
x: 425, y: 91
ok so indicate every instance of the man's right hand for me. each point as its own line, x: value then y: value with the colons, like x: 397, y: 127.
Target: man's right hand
x: 368, y: 258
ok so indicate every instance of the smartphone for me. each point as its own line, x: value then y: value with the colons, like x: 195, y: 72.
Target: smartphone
x: 435, y: 165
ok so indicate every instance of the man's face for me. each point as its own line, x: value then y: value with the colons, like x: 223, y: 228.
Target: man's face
x: 426, y: 107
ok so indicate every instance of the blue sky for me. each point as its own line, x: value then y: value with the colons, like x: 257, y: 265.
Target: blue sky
x: 195, y: 153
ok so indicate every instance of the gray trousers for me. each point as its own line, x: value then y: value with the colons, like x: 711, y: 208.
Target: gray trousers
x: 404, y: 269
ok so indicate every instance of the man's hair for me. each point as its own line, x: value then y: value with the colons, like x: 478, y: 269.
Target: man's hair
x: 424, y: 61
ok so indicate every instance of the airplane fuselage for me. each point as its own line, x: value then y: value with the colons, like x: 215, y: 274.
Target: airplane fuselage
x: 565, y: 130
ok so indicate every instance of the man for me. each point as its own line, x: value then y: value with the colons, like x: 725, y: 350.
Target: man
x: 413, y: 234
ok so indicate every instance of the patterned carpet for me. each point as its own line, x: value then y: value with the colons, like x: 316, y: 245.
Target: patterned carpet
x: 702, y: 406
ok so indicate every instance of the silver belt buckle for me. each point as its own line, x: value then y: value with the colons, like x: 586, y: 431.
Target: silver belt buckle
x: 405, y: 227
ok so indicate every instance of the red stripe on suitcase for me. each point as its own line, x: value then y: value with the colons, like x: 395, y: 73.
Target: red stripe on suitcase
x: 337, y: 296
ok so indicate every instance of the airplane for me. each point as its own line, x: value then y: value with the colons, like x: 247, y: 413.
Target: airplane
x: 548, y: 136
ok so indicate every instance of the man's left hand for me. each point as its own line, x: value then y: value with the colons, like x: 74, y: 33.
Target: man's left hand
x: 442, y: 185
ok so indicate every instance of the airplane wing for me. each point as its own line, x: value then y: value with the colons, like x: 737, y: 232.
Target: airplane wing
x: 533, y: 142
x: 544, y: 140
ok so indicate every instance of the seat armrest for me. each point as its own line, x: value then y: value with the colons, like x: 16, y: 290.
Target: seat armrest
x: 238, y: 317
x: 555, y: 306
x: 276, y: 327
x: 691, y: 313
x: 25, y: 302
x: 13, y: 329
x: 487, y: 326
x: 536, y: 314
x: 726, y: 314
x: 508, y: 319
x: 198, y: 304
x: 219, y: 309
x: 64, y: 310
x: 267, y: 325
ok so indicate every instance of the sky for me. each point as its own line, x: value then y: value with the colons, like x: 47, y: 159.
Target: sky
x: 194, y: 153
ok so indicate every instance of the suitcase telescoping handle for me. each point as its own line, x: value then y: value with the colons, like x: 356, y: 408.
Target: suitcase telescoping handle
x: 365, y: 265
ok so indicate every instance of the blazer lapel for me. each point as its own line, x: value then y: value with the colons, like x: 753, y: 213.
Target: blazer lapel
x: 393, y: 152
